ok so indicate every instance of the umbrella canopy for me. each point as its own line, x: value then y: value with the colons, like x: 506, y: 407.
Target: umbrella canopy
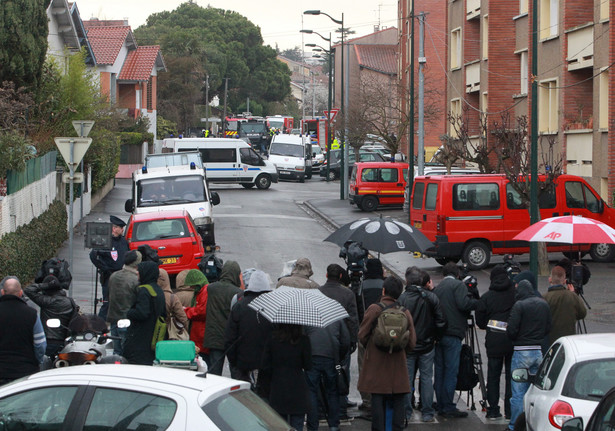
x: 382, y: 234
x: 569, y: 229
x: 291, y: 305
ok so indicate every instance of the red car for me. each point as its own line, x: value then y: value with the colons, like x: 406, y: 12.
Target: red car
x: 172, y: 234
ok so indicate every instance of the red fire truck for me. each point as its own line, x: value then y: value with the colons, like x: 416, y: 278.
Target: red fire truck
x: 282, y: 123
x: 316, y: 128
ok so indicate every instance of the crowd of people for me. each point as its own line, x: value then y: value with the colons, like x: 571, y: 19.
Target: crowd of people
x: 295, y: 368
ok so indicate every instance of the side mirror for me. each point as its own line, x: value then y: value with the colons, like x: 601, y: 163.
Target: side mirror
x: 574, y: 424
x: 129, y: 206
x: 600, y: 206
x: 53, y: 323
x: 123, y: 323
x: 522, y: 375
x: 215, y: 198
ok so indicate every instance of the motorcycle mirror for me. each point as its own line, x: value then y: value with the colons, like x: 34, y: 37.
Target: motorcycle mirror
x: 123, y: 323
x: 53, y: 323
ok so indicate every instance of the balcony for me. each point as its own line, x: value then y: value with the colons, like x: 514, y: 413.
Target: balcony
x: 580, y: 47
x: 579, y: 152
x: 472, y: 9
x: 472, y: 77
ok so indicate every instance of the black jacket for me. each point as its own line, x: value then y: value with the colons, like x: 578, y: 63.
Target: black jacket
x: 346, y: 298
x: 109, y: 261
x: 372, y: 291
x: 496, y: 305
x: 54, y: 304
x: 429, y: 320
x: 246, y: 334
x: 456, y: 304
x: 17, y: 320
x: 530, y: 318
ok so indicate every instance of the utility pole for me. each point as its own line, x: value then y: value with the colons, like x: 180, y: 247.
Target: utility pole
x: 422, y: 61
x: 534, y: 216
x: 225, y: 95
x: 411, y: 116
x: 207, y: 102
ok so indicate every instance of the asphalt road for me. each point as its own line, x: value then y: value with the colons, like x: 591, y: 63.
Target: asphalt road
x: 265, y: 228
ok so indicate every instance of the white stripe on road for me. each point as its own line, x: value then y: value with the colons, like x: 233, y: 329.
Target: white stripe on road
x: 268, y: 216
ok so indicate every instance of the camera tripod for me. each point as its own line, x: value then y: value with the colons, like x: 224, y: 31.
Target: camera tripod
x: 471, y: 339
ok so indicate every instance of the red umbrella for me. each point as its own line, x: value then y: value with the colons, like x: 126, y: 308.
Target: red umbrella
x: 569, y: 229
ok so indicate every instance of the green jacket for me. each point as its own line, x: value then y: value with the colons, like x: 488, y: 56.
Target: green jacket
x: 219, y: 297
x: 566, y: 308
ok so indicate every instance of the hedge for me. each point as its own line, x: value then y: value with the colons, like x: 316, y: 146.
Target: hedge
x: 23, y: 251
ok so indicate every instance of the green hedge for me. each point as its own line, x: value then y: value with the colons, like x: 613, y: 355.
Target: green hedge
x: 135, y: 138
x: 23, y: 251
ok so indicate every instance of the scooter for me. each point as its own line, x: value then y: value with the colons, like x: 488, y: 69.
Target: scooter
x: 86, y: 346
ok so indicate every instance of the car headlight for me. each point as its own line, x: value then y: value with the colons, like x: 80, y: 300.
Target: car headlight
x: 200, y: 221
x: 300, y: 168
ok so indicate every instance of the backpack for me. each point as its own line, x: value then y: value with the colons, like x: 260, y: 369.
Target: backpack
x: 211, y: 265
x: 467, y: 377
x: 391, y: 331
x: 57, y: 267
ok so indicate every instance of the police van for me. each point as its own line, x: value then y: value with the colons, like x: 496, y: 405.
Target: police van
x: 292, y: 156
x: 227, y: 161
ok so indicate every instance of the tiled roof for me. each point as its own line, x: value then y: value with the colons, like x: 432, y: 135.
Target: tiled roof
x: 380, y: 58
x: 139, y: 63
x: 107, y: 41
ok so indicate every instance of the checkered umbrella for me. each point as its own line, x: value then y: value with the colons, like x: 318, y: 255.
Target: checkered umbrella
x: 569, y: 229
x: 291, y: 305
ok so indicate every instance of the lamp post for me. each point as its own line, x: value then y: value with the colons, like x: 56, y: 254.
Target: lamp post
x: 344, y: 152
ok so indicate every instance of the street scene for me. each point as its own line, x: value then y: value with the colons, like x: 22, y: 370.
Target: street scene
x: 305, y: 217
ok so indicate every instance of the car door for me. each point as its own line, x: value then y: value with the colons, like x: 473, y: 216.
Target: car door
x: 603, y: 418
x: 546, y: 388
x: 391, y: 187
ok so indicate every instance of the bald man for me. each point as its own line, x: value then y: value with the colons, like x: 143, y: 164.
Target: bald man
x: 22, y: 338
x: 565, y: 305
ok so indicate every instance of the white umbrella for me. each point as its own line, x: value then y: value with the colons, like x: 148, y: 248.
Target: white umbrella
x: 291, y: 305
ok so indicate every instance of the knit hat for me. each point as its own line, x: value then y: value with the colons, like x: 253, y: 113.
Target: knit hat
x: 132, y: 258
x: 498, y: 272
x: 195, y: 278
x: 526, y: 275
x: 373, y: 268
x: 259, y: 282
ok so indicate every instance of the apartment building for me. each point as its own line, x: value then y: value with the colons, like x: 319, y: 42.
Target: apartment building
x: 489, y: 63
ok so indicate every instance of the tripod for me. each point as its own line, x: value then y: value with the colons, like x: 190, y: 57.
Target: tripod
x: 471, y: 339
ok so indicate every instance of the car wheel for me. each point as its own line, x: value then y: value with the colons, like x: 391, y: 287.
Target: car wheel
x: 369, y: 203
x: 476, y: 255
x: 263, y: 182
x: 602, y: 252
x: 332, y: 176
x: 247, y: 185
x: 520, y: 424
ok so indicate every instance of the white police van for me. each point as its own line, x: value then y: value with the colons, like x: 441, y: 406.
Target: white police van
x: 227, y: 161
x: 292, y: 156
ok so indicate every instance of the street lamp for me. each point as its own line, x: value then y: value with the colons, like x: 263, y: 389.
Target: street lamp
x: 330, y: 53
x: 344, y: 152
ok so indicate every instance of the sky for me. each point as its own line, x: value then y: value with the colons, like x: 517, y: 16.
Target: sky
x: 280, y: 20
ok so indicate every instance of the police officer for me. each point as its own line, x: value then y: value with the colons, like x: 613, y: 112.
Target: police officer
x: 335, y: 145
x: 109, y: 261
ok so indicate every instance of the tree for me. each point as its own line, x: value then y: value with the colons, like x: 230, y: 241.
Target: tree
x: 23, y: 41
x: 294, y: 54
x: 471, y: 146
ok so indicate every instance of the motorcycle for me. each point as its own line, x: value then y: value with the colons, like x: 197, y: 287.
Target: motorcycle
x: 88, y: 343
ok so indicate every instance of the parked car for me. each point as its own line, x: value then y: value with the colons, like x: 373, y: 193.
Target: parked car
x: 172, y: 234
x: 575, y: 373
x: 373, y: 184
x: 603, y: 418
x: 132, y: 397
x: 334, y: 168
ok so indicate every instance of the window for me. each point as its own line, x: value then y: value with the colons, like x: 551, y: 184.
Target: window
x: 549, y: 18
x: 432, y: 197
x: 485, y: 36
x: 455, y: 113
x: 218, y: 155
x: 456, y: 48
x: 578, y: 195
x: 603, y: 120
x: 481, y: 196
x: 547, y: 106
x: 167, y: 190
x: 249, y: 157
x: 547, y: 199
x: 522, y: 7
x: 419, y: 191
x: 113, y: 409
x: 605, y: 7
x: 150, y: 101
x: 513, y: 199
x: 604, y: 417
x: 590, y: 380
x: 524, y: 72
x: 388, y: 175
x: 160, y: 229
x: 545, y: 365
x: 37, y: 409
x: 369, y: 175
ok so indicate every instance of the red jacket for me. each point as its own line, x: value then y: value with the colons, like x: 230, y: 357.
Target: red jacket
x: 197, y: 316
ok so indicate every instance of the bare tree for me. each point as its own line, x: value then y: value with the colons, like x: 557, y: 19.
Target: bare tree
x: 450, y: 152
x: 472, y: 145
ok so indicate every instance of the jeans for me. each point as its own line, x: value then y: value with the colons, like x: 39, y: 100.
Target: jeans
x: 446, y: 367
x: 494, y: 371
x: 529, y: 359
x: 425, y: 367
x: 379, y: 402
x: 216, y: 361
x: 323, y: 370
x: 118, y: 345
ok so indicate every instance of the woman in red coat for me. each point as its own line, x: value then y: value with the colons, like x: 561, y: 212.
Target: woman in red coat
x: 197, y: 312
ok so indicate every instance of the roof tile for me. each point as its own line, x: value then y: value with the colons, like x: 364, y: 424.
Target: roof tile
x: 139, y: 63
x: 107, y: 41
x: 380, y: 58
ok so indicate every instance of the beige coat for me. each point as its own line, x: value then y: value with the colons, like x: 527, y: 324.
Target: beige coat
x: 175, y: 308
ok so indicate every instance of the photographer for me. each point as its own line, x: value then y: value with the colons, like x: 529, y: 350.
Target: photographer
x: 355, y: 257
x: 566, y: 306
x: 51, y: 298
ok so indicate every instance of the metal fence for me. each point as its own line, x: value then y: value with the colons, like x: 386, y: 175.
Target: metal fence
x: 35, y: 169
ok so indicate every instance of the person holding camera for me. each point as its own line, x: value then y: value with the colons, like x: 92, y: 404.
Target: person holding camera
x: 54, y: 304
x: 565, y: 305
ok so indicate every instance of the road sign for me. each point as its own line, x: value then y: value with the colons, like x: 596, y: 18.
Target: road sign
x: 83, y: 127
x: 80, y: 146
x: 77, y: 177
x: 331, y: 114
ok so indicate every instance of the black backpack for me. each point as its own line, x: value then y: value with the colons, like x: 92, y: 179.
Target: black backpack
x: 57, y: 267
x: 467, y: 378
x: 211, y: 265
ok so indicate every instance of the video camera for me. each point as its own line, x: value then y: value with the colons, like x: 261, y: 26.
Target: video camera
x: 577, y: 277
x: 469, y: 280
x: 355, y: 257
x: 512, y: 266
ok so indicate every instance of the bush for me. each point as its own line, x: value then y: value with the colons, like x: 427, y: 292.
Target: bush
x: 23, y: 251
x: 135, y: 138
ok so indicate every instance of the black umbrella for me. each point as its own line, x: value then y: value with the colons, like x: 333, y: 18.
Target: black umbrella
x: 383, y: 235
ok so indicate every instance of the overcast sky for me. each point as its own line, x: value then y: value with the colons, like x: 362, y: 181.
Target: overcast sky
x: 279, y: 20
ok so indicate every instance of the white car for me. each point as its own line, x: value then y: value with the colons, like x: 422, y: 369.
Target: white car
x: 574, y: 374
x: 133, y: 397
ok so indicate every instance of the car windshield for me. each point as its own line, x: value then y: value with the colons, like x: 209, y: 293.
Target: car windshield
x: 243, y: 410
x: 170, y: 190
x: 173, y: 159
x: 160, y: 229
x: 253, y: 127
x: 590, y: 380
x: 283, y: 149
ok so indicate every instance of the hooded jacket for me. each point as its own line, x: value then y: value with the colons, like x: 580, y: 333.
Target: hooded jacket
x: 530, y: 318
x: 123, y: 288
x: 183, y: 291
x: 496, y: 304
x: 197, y: 312
x: 566, y: 308
x: 529, y: 276
x: 173, y: 304
x: 143, y: 315
x: 300, y: 276
x: 456, y: 304
x: 429, y: 320
x: 219, y: 297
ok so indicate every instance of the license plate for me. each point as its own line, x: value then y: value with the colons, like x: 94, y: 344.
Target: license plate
x: 168, y: 260
x: 284, y: 172
x: 418, y: 224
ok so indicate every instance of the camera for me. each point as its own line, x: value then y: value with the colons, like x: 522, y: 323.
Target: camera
x: 512, y: 267
x: 469, y: 280
x: 355, y: 257
x: 577, y: 276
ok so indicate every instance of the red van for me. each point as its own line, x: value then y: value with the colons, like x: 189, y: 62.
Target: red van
x: 377, y: 183
x: 474, y: 216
